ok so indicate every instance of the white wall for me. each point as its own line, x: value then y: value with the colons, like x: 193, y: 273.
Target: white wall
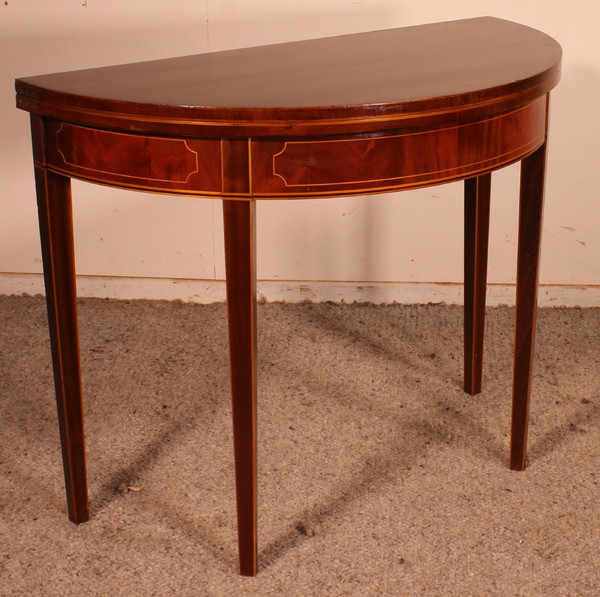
x: 397, y: 246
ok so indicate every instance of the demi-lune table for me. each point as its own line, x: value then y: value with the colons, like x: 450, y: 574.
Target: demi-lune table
x: 349, y: 115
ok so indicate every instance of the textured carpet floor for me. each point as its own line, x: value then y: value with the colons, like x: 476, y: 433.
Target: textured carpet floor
x: 377, y: 474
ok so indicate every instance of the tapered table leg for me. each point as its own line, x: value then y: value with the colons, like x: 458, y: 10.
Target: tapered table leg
x: 477, y: 223
x: 56, y: 232
x: 240, y: 263
x: 528, y: 259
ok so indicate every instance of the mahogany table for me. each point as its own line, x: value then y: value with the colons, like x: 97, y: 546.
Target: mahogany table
x: 355, y: 114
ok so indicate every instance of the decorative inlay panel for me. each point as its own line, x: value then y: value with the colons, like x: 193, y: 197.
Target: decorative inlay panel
x: 124, y: 159
x: 345, y: 166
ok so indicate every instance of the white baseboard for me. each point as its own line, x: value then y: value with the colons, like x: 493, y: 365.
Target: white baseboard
x: 210, y: 291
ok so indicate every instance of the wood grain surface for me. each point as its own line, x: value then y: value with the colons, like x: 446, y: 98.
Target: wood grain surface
x: 365, y: 81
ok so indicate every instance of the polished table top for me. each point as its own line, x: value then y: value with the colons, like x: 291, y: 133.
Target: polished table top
x: 355, y: 114
x: 368, y: 81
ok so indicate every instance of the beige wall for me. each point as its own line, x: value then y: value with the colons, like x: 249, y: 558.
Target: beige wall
x: 399, y: 246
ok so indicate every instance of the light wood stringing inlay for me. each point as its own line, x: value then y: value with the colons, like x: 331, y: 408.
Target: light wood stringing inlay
x: 415, y: 156
x: 129, y: 156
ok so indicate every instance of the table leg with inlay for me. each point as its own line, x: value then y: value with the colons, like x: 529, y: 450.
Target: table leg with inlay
x: 528, y: 262
x: 477, y: 223
x: 56, y: 233
x: 240, y: 264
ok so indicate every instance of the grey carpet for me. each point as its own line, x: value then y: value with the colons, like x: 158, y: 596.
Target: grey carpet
x: 378, y: 475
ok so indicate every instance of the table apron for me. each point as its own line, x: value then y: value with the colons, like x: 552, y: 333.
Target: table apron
x: 398, y: 160
x: 295, y: 167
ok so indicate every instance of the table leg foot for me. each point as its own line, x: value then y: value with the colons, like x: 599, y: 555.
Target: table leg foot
x: 477, y: 222
x: 528, y: 260
x: 56, y: 232
x: 240, y: 262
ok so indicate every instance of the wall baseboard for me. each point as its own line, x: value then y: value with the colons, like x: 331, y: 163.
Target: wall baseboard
x: 210, y: 291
